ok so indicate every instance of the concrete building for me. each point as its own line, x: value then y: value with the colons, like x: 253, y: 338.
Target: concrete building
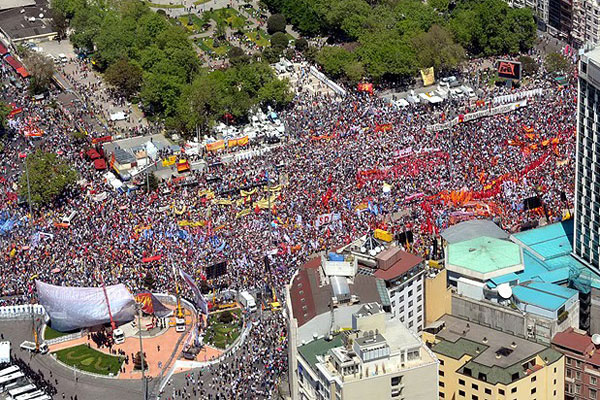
x: 403, y: 274
x: 585, y: 22
x: 379, y: 358
x: 540, y: 9
x: 438, y: 296
x: 582, y: 363
x: 478, y: 362
x: 24, y: 20
x: 587, y: 184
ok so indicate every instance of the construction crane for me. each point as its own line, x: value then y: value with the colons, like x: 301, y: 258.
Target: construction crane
x: 179, y: 316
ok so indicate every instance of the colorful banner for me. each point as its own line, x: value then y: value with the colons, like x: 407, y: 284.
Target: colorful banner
x: 167, y: 162
x: 365, y: 87
x: 383, y: 127
x: 152, y: 258
x: 214, y: 146
x: 185, y: 222
x: 428, y: 76
x: 222, y: 202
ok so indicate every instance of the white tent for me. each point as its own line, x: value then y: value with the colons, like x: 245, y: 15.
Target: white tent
x: 118, y: 116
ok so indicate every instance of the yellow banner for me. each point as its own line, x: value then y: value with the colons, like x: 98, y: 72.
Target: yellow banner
x: 185, y: 222
x: 208, y: 193
x: 222, y: 202
x: 273, y: 188
x: 178, y: 212
x: 428, y: 76
x: 245, y: 193
x: 242, y: 141
x: 169, y: 161
x: 218, y: 145
x: 243, y: 213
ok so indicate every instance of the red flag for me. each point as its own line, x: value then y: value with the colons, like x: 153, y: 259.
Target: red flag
x: 22, y: 155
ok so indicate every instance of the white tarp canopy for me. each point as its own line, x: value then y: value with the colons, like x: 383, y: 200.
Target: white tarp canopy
x: 72, y: 308
x: 118, y: 116
x: 4, y: 352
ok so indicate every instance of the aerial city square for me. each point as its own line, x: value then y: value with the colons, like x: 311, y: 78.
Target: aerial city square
x: 299, y: 199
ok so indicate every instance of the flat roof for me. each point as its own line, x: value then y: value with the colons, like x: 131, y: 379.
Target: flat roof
x: 8, y: 4
x: 549, y: 241
x: 318, y: 347
x: 461, y: 337
x: 475, y: 228
x: 484, y: 257
x: 544, y: 295
x: 17, y: 26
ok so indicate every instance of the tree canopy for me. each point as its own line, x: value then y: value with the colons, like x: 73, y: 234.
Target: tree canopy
x: 49, y: 177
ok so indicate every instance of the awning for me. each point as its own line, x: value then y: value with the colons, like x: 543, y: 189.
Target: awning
x: 23, y: 72
x: 3, y: 50
x: 93, y: 154
x: 99, y: 164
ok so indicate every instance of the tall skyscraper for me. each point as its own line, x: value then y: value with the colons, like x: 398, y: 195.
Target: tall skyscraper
x: 586, y: 244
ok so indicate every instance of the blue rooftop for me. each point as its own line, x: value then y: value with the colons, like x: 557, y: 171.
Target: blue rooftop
x: 548, y: 242
x: 546, y: 256
x: 544, y: 295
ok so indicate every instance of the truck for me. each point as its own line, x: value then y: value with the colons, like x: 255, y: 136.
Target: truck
x: 32, y: 347
x: 247, y: 301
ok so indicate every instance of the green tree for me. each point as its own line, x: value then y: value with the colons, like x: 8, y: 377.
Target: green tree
x: 385, y: 55
x: 529, y: 66
x: 301, y: 44
x: 436, y: 48
x: 354, y: 71
x: 49, y: 177
x: 275, y: 93
x: 333, y: 59
x: 439, y: 5
x: 59, y: 22
x: 5, y: 110
x: 125, y: 76
x: 279, y: 41
x: 40, y: 70
x: 348, y: 16
x: 556, y: 63
x: 238, y: 56
x: 276, y: 23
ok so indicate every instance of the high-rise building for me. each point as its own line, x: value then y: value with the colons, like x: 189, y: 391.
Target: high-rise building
x: 586, y: 242
x: 585, y: 22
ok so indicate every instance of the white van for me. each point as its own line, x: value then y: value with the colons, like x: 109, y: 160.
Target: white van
x: 68, y: 218
x: 63, y: 58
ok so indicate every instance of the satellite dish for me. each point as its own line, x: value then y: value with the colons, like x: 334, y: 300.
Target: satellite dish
x: 363, y: 249
x: 372, y: 253
x: 505, y: 291
x: 596, y: 339
x: 41, y: 15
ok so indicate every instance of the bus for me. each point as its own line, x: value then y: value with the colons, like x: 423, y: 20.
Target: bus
x: 30, y: 396
x: 10, y: 378
x: 10, y: 370
x: 20, y: 390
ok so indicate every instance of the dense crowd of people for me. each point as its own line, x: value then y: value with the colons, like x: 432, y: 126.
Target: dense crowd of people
x: 367, y: 162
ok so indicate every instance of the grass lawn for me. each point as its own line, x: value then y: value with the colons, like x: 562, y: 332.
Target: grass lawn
x: 227, y: 16
x: 154, y: 5
x: 220, y: 334
x: 259, y: 38
x: 207, y: 45
x: 90, y: 360
x: 50, y: 333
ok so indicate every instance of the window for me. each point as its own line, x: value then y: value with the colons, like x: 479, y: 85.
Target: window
x: 578, y: 375
x: 533, y: 378
x: 442, y: 395
x: 409, y: 293
x: 474, y: 386
x: 488, y: 391
x: 577, y: 389
x: 593, y: 380
x: 410, y: 324
x: 461, y: 382
x: 441, y: 372
x: 533, y: 390
x: 396, y: 380
x: 501, y: 392
x: 593, y: 394
x: 441, y: 361
x: 461, y: 393
x: 410, y: 303
x: 442, y: 384
x: 513, y: 390
x: 569, y: 373
x: 473, y: 397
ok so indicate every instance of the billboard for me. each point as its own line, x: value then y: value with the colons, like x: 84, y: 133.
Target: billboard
x: 509, y: 69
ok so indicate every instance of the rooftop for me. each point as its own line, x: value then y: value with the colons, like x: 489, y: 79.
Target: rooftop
x: 484, y: 257
x: 544, y: 295
x: 318, y: 347
x: 405, y: 262
x: 549, y: 241
x: 311, y: 296
x: 20, y: 26
x: 498, y: 355
x: 468, y: 230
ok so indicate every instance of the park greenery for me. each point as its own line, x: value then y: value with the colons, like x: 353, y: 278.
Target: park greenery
x: 389, y: 40
x: 49, y: 177
x: 5, y: 110
x: 223, y: 328
x: 87, y: 359
x: 149, y: 58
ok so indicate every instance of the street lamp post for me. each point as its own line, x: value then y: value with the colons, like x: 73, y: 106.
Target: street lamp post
x: 143, y: 364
